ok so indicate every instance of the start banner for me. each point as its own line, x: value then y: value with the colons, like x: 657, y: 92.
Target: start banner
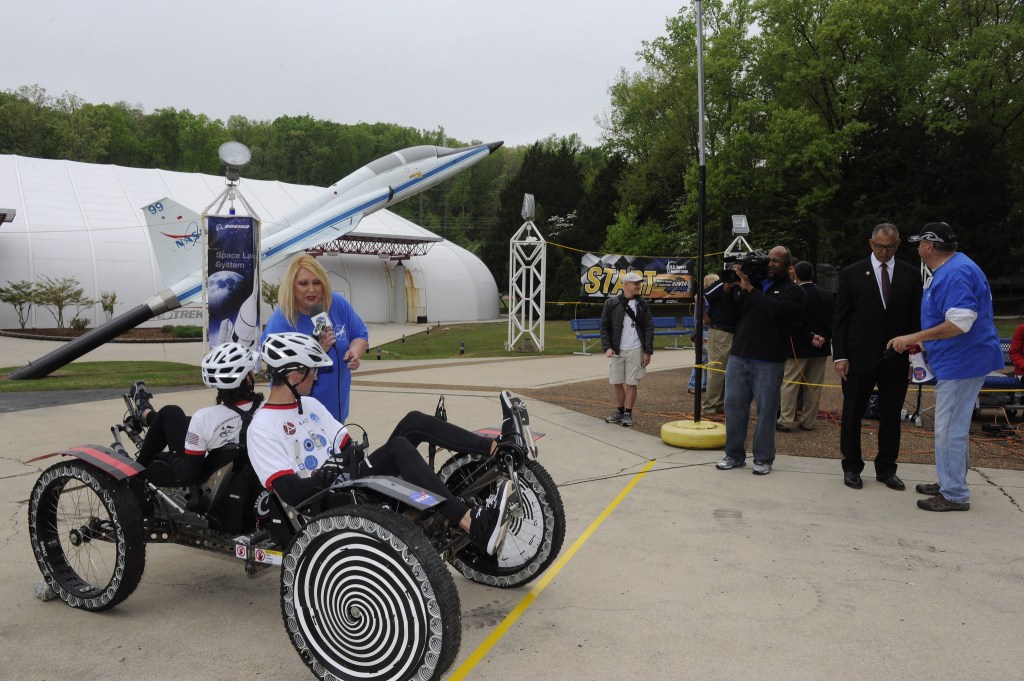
x: 232, y: 281
x: 666, y: 280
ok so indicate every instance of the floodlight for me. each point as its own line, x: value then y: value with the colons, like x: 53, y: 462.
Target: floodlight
x: 235, y: 156
x: 528, y: 206
x: 739, y: 225
x: 7, y: 214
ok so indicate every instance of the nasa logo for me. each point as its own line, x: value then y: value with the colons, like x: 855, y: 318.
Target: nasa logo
x: 189, y: 238
x: 314, y: 418
x: 311, y: 463
x: 289, y: 428
x: 423, y: 497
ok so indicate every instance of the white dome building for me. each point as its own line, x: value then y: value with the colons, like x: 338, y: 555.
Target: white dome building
x: 85, y: 221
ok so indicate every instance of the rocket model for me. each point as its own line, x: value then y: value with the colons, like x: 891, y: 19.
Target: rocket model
x: 176, y: 231
x: 176, y: 234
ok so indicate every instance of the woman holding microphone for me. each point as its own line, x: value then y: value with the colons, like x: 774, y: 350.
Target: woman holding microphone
x: 306, y: 304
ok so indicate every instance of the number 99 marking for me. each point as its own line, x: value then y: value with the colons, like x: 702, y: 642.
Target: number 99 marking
x: 155, y: 208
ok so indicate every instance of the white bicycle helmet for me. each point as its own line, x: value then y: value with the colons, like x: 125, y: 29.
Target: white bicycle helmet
x: 285, y: 352
x: 226, y: 366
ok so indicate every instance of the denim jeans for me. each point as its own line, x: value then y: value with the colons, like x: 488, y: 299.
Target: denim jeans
x: 954, y: 404
x: 747, y: 380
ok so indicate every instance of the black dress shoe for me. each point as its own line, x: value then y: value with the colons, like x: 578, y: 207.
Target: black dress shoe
x: 851, y: 479
x: 891, y: 481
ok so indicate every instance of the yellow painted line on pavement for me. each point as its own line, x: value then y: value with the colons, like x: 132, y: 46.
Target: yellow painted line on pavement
x: 485, y: 647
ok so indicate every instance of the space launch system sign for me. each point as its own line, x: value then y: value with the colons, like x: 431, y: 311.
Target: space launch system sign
x: 665, y: 280
x: 232, y: 279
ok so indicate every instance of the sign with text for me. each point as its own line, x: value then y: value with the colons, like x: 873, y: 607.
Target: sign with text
x: 232, y: 281
x: 665, y: 280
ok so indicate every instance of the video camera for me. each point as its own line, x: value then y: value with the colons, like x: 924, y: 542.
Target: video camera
x: 753, y: 264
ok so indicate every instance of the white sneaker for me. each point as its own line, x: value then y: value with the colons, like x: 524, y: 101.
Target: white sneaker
x: 489, y: 523
x: 762, y: 468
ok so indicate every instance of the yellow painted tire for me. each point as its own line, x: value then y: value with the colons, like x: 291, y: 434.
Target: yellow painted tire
x: 693, y: 435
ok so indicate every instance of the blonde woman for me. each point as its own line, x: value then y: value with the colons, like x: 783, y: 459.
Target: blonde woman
x: 305, y: 291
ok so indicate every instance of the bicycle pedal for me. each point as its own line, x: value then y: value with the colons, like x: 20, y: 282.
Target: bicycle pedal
x: 515, y: 510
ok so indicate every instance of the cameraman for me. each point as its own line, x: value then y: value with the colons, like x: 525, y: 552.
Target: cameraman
x: 764, y: 312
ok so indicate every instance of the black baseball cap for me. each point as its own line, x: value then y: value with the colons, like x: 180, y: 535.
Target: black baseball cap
x: 936, y: 232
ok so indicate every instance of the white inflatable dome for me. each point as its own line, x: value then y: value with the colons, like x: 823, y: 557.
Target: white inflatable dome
x: 84, y: 220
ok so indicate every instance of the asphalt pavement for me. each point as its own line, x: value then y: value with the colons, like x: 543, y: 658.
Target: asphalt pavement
x: 681, y: 572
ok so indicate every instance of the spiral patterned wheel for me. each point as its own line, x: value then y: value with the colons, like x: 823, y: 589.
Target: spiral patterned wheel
x: 533, y: 540
x: 365, y: 596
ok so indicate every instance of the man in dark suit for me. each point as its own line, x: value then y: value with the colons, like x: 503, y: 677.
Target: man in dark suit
x: 805, y: 370
x: 879, y: 298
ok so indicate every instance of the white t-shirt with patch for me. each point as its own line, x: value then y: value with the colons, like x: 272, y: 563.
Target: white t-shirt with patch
x: 283, y: 441
x: 213, y: 427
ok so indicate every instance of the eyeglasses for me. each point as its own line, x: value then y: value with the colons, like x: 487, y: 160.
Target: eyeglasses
x: 885, y: 247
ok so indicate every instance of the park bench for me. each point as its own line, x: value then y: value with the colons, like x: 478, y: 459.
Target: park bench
x: 668, y: 326
x: 588, y: 331
x: 1007, y: 393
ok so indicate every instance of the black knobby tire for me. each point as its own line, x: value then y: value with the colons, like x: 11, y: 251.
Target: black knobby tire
x: 365, y: 596
x: 86, y: 533
x: 532, y: 542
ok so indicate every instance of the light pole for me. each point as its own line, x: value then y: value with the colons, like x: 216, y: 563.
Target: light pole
x: 692, y: 433
x: 698, y: 307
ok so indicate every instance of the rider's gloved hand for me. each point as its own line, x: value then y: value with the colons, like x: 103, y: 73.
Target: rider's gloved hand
x: 325, y: 477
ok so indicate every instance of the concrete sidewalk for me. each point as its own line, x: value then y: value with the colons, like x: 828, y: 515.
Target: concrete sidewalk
x: 696, y: 574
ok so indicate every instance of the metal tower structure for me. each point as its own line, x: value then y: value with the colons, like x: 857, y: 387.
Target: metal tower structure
x: 527, y: 267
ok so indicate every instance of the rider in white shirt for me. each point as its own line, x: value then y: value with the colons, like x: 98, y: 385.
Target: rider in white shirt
x: 292, y: 435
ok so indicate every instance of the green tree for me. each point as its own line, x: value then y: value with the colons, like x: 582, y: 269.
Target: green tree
x: 59, y: 294
x: 269, y: 293
x: 27, y: 122
x: 21, y: 295
x: 549, y: 172
x: 80, y: 129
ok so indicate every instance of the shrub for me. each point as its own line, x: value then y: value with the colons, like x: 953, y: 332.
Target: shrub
x: 187, y: 332
x: 167, y: 328
x: 79, y: 323
x: 107, y: 301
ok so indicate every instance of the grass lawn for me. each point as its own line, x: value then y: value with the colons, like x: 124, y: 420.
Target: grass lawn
x: 481, y: 340
x: 98, y: 375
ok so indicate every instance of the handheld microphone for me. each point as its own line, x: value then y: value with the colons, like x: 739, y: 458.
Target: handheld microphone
x: 920, y: 371
x: 320, y: 320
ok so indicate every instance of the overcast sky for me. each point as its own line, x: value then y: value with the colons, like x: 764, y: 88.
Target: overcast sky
x: 515, y: 70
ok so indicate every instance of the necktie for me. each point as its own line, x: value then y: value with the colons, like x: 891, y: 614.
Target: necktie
x: 885, y: 284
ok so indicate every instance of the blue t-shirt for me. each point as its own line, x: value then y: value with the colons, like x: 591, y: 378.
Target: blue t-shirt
x: 333, y: 383
x: 960, y: 283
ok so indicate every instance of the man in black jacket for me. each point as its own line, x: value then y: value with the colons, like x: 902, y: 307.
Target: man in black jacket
x: 764, y: 314
x: 879, y: 298
x: 805, y: 367
x: 627, y: 338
